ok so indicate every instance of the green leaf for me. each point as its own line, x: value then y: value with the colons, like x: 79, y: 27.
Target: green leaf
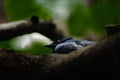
x: 78, y: 21
x: 104, y: 13
x: 21, y: 9
x: 5, y: 44
x: 35, y: 48
x: 31, y: 43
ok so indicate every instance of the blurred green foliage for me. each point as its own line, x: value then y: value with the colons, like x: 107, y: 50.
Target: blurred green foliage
x: 80, y: 18
x: 5, y: 44
x: 103, y: 13
x: 21, y: 9
x: 31, y: 43
x: 36, y: 48
x: 94, y: 17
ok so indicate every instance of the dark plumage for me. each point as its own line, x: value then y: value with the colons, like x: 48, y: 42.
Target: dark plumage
x: 67, y: 45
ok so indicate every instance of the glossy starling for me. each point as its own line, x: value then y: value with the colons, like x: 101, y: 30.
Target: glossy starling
x: 67, y: 45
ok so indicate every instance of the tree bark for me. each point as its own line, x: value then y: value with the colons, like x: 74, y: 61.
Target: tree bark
x: 100, y: 61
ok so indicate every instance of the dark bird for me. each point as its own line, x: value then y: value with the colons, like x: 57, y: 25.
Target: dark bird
x: 67, y: 45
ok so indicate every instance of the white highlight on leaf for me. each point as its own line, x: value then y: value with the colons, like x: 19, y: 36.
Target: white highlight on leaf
x: 25, y: 41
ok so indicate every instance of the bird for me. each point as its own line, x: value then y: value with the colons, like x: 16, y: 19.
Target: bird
x: 67, y: 45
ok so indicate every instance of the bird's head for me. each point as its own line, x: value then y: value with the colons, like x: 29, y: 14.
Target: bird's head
x: 55, y: 43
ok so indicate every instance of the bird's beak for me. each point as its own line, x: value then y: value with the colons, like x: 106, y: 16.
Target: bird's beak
x: 49, y: 46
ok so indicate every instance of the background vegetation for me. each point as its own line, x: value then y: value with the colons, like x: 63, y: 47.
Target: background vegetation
x: 81, y: 16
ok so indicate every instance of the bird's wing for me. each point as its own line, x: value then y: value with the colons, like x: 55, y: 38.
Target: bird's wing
x: 87, y: 42
x: 66, y: 47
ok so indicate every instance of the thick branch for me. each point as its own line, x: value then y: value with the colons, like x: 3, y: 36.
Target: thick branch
x: 47, y: 28
x: 97, y: 62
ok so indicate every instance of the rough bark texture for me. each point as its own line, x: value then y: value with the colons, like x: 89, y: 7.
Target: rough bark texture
x: 112, y: 29
x: 98, y: 62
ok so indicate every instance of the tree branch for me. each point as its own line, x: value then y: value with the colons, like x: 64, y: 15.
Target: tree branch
x: 100, y: 61
x: 47, y: 28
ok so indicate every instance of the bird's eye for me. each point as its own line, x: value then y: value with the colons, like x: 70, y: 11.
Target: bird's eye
x: 58, y: 41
